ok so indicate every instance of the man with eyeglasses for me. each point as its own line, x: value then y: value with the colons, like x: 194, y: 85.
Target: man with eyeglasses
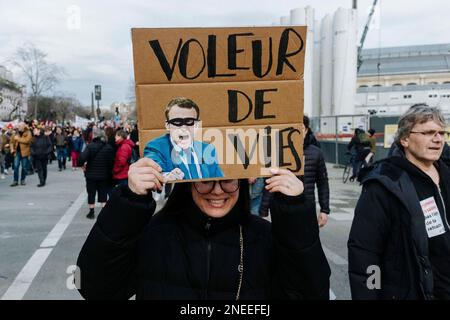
x: 178, y: 154
x: 399, y: 243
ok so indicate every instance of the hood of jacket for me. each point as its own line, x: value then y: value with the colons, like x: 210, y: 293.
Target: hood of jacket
x: 310, y: 139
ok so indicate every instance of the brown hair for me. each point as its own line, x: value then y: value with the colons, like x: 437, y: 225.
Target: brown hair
x: 122, y: 134
x: 182, y: 103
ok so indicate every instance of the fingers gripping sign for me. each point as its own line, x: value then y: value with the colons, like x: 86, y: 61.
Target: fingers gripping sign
x: 145, y: 175
x: 175, y: 174
x: 285, y: 182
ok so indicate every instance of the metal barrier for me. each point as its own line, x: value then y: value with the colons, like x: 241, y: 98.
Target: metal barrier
x: 335, y: 133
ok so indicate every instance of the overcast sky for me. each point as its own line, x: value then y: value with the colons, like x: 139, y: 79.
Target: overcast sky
x: 98, y: 50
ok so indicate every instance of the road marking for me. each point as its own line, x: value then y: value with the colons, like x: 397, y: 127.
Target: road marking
x: 336, y: 259
x: 23, y: 281
x: 58, y: 230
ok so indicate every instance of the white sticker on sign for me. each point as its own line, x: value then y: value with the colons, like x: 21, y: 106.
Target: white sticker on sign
x: 433, y: 220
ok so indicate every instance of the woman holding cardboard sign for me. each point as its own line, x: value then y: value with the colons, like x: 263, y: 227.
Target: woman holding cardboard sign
x: 204, y: 244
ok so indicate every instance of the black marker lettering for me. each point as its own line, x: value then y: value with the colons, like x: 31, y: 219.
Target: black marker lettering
x: 233, y: 51
x: 168, y: 70
x: 260, y: 102
x: 233, y: 106
x: 283, y: 55
x: 212, y: 72
x: 184, y: 55
x: 257, y: 58
x: 291, y: 146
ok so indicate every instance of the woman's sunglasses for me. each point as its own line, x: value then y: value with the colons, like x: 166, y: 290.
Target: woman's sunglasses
x: 205, y: 187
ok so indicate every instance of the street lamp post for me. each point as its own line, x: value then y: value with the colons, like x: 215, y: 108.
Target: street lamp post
x: 92, y: 106
x: 98, y: 97
x: 33, y: 86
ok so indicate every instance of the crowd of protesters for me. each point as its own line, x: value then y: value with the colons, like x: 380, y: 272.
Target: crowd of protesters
x: 27, y: 148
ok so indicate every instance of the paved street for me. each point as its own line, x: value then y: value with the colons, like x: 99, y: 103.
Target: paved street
x: 43, y: 229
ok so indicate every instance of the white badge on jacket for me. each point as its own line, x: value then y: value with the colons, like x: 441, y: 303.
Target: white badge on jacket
x: 433, y: 220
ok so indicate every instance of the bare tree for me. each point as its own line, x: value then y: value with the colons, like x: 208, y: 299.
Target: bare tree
x: 16, y: 102
x: 41, y: 75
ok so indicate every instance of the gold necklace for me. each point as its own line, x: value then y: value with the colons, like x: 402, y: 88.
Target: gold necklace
x: 241, y: 263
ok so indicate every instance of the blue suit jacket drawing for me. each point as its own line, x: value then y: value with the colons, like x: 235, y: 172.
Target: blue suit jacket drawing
x: 161, y: 148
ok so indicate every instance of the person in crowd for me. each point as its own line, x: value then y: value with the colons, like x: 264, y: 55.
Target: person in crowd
x: 204, y: 243
x: 122, y: 158
x: 315, y: 173
x: 111, y: 137
x: 20, y: 148
x: 97, y: 160
x: 360, y: 146
x: 256, y: 186
x: 400, y: 230
x: 9, y: 158
x: 49, y: 133
x: 40, y: 149
x: 3, y: 143
x: 68, y: 133
x: 373, y: 146
x: 134, y: 136
x: 76, y: 146
x: 88, y: 133
x: 61, y: 148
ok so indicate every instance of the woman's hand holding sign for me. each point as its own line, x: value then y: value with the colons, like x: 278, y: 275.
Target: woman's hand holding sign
x: 144, y: 175
x: 284, y: 181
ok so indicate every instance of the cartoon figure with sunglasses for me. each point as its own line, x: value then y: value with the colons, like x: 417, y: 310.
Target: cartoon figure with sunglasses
x: 178, y: 154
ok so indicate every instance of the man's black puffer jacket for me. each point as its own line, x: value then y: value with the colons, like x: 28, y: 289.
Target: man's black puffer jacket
x: 316, y: 172
x: 186, y: 255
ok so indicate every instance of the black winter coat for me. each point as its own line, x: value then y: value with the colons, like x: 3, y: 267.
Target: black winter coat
x: 186, y: 255
x: 99, y: 157
x: 316, y: 173
x: 41, y: 147
x: 388, y: 231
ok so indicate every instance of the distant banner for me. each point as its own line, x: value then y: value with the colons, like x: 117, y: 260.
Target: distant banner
x: 81, y: 122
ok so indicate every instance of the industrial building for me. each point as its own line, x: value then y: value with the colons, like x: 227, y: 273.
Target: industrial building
x: 342, y: 78
x: 13, y: 97
x: 392, y: 79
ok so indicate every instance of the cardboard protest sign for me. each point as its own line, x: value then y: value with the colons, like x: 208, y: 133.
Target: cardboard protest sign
x: 220, y: 102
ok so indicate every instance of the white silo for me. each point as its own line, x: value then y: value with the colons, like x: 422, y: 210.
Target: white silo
x: 344, y: 61
x: 2, y: 72
x: 305, y: 16
x: 326, y: 66
x: 316, y: 71
x: 285, y: 21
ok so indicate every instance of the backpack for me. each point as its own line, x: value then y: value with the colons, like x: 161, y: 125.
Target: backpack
x: 364, y: 140
x: 134, y: 157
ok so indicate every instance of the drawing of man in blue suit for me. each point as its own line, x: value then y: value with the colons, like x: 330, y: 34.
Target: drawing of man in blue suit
x: 178, y: 154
